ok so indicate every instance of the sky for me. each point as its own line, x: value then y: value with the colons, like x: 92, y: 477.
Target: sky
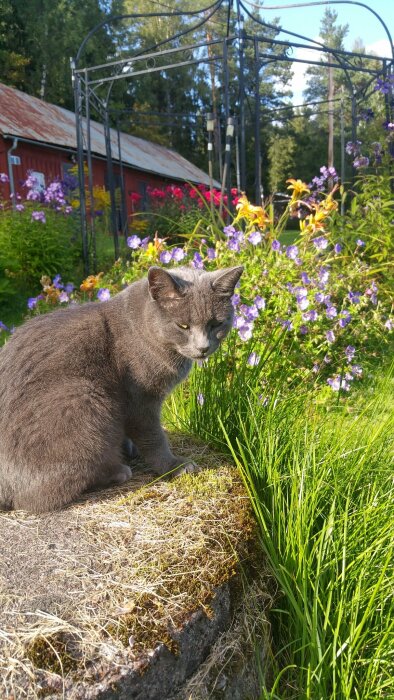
x: 306, y: 20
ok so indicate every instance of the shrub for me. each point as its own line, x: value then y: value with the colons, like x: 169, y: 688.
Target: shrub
x: 176, y: 210
x: 38, y: 237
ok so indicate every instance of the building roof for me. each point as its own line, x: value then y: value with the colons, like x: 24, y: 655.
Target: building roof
x: 28, y: 117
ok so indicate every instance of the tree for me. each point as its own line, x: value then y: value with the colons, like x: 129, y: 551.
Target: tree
x: 324, y: 81
x: 42, y: 36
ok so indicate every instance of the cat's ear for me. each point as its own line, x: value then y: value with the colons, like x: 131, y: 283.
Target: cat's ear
x: 163, y: 286
x: 225, y: 280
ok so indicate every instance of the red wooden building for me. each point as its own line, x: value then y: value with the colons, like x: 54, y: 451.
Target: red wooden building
x: 40, y: 137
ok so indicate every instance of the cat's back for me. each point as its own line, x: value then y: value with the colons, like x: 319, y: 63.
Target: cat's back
x: 52, y: 349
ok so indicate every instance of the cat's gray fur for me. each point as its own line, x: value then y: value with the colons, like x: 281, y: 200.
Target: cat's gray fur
x: 75, y: 383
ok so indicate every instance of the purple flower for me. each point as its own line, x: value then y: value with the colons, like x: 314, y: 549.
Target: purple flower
x: 360, y: 243
x: 320, y: 243
x: 197, y: 261
x: 19, y: 207
x: 34, y: 195
x: 211, y: 253
x: 336, y: 383
x: 345, y: 319
x: 275, y: 245
x: 324, y: 274
x: 32, y: 302
x: 200, y: 399
x: 235, y: 300
x: 337, y: 247
x: 354, y: 297
x: 57, y: 282
x: 361, y: 162
x: 31, y: 182
x: 229, y: 231
x: 245, y: 331
x: 178, y: 254
x: 38, y: 216
x: 255, y: 238
x: 238, y: 321
x: 134, y: 242
x: 251, y: 312
x: 331, y: 312
x: 259, y: 302
x: 304, y: 330
x: 145, y: 242
x: 310, y: 315
x: 63, y: 297
x: 356, y: 370
x: 303, y: 303
x: 300, y: 292
x: 353, y: 148
x: 305, y: 279
x: 69, y: 287
x: 350, y: 352
x: 292, y: 252
x: 389, y: 324
x: 330, y: 336
x: 233, y: 244
x: 384, y: 86
x: 253, y: 359
x: 3, y: 327
x: 103, y: 294
x: 4, y: 177
x: 285, y: 323
x: 165, y: 257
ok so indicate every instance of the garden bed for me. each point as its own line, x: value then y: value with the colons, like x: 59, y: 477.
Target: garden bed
x: 124, y: 593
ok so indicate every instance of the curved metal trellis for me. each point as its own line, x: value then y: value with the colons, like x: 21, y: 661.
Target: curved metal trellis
x: 93, y: 88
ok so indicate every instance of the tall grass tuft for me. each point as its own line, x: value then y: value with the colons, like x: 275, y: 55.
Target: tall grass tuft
x: 321, y: 485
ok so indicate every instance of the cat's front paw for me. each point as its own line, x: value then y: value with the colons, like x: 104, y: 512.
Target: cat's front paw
x: 122, y: 475
x: 185, y: 466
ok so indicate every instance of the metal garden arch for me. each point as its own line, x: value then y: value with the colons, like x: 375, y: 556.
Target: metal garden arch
x: 93, y: 87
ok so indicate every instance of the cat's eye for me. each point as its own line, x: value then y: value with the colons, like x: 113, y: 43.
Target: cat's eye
x: 184, y: 326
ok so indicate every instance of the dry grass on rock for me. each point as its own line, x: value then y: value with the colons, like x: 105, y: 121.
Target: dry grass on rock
x: 104, y: 582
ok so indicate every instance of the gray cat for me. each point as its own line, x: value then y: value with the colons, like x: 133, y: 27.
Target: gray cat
x: 74, y: 384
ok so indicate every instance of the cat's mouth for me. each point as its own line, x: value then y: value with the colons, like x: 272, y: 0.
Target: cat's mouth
x: 195, y: 356
x: 201, y: 356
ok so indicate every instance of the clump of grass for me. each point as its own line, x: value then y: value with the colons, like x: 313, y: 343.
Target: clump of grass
x: 320, y: 481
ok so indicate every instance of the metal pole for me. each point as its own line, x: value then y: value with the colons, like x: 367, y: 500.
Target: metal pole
x: 111, y: 183
x: 125, y: 221
x: 343, y: 160
x: 241, y: 74
x: 90, y: 176
x: 237, y: 171
x: 257, y: 154
x: 227, y: 161
x: 218, y: 136
x: 354, y: 125
x: 210, y: 130
x: 80, y: 162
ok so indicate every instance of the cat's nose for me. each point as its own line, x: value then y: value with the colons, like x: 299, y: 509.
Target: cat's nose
x: 203, y: 350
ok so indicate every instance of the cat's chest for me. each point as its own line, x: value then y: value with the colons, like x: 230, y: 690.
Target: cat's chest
x: 157, y: 378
